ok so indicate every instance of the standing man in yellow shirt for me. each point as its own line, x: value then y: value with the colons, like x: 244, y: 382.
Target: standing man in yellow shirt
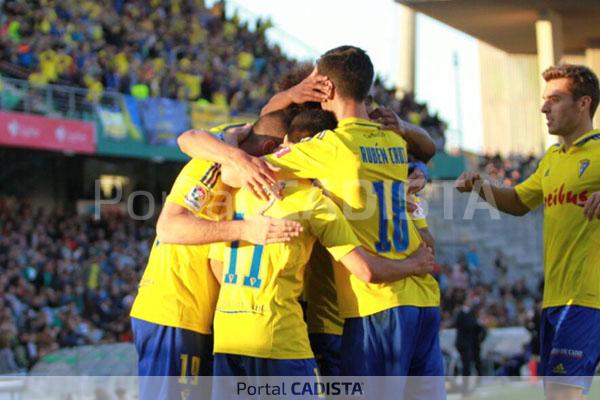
x: 567, y: 183
x: 172, y: 314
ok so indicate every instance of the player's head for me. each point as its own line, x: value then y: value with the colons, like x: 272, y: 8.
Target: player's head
x: 350, y: 70
x: 267, y: 133
x: 570, y: 98
x: 308, y: 123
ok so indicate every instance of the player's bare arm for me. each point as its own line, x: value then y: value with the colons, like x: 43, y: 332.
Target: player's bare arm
x: 374, y: 269
x: 418, y: 141
x: 313, y: 88
x: 504, y: 199
x: 251, y: 171
x: 177, y: 225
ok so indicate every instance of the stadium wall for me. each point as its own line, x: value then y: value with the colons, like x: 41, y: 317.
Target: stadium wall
x: 510, y: 102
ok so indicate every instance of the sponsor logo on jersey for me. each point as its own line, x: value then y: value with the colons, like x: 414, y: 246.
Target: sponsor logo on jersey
x: 196, y: 197
x: 583, y: 165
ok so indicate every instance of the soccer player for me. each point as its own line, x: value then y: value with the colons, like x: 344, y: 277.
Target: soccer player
x: 173, y: 311
x: 390, y: 328
x: 259, y: 329
x: 567, y: 183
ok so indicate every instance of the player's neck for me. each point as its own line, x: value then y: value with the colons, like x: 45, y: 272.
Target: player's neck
x: 581, y: 130
x: 350, y: 109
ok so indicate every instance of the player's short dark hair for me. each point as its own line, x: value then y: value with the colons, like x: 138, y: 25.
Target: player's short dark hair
x: 584, y: 82
x: 350, y: 69
x: 310, y: 122
x: 273, y: 125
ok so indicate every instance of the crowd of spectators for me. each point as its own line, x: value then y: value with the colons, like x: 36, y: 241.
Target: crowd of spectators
x: 508, y: 171
x: 498, y: 302
x: 65, y: 280
x: 177, y: 49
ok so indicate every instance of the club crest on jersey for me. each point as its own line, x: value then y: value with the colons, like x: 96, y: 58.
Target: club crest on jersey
x: 196, y: 197
x: 583, y: 165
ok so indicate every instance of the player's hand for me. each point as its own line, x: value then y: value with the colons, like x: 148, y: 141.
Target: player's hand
x: 234, y: 136
x: 467, y: 181
x: 314, y: 87
x: 416, y: 181
x: 255, y: 174
x: 261, y: 229
x: 424, y: 260
x: 388, y: 118
x: 591, y: 208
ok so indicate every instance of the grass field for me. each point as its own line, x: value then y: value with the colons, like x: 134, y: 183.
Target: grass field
x: 500, y: 389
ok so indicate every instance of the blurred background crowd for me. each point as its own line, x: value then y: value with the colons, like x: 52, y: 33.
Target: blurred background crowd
x: 202, y: 55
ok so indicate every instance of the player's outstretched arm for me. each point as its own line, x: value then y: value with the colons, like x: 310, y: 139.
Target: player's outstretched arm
x: 205, y: 145
x: 177, y: 225
x: 418, y: 141
x: 503, y: 198
x: 374, y: 269
x: 313, y: 88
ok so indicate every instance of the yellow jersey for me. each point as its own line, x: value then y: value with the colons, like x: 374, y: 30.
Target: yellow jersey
x: 258, y: 313
x: 563, y: 182
x: 178, y: 288
x: 322, y: 311
x: 364, y: 169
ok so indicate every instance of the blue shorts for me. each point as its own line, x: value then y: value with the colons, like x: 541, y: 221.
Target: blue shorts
x: 256, y: 372
x: 236, y: 365
x: 327, y: 349
x: 401, y: 341
x: 570, y: 345
x: 170, y: 360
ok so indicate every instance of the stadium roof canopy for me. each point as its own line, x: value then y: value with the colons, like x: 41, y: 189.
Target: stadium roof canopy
x: 510, y: 24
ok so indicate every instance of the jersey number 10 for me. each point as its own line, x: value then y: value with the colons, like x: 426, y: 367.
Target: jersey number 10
x: 399, y: 219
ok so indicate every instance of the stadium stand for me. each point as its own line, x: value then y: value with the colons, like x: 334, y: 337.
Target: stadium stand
x: 66, y: 280
x: 204, y: 56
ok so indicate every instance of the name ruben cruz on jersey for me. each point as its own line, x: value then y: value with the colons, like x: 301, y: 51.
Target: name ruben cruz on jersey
x: 558, y: 197
x: 379, y: 155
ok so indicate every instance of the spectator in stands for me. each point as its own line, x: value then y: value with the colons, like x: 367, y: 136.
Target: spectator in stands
x: 67, y: 280
x: 8, y: 365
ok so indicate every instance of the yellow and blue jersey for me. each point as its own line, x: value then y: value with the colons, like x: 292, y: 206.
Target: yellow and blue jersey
x: 178, y: 288
x: 322, y: 312
x: 563, y: 182
x: 258, y: 313
x: 364, y: 169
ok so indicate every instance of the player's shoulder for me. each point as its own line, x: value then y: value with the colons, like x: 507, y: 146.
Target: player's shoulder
x: 198, y: 165
x: 325, y: 136
x: 198, y: 170
x: 225, y: 127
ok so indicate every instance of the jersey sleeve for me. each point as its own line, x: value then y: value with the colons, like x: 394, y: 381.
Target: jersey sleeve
x: 216, y: 251
x: 193, y: 185
x: 311, y: 158
x: 418, y: 215
x: 530, y: 191
x: 330, y: 227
